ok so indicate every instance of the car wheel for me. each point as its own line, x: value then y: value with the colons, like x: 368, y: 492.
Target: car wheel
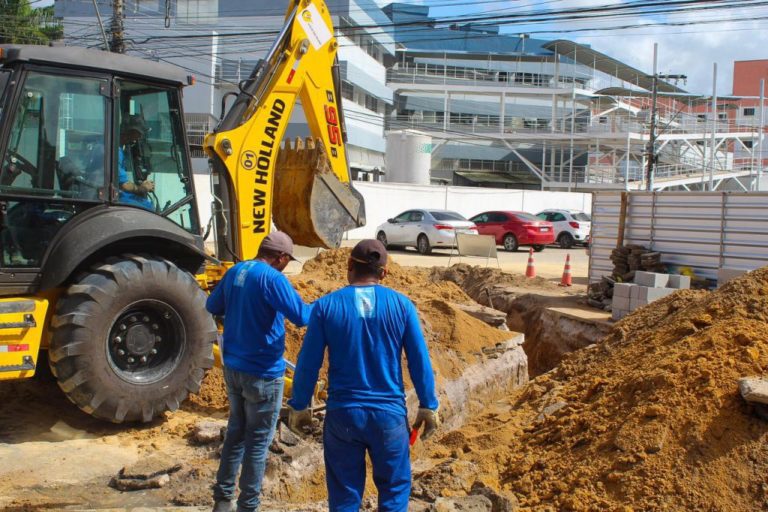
x: 538, y: 247
x: 565, y: 240
x: 382, y: 237
x: 422, y: 244
x: 510, y: 242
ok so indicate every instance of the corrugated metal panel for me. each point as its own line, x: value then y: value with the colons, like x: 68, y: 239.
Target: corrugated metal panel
x: 702, y: 230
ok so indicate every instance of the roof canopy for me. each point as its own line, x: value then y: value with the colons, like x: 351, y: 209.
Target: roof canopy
x: 601, y: 62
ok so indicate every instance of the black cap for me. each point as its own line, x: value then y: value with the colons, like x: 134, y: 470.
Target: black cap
x: 370, y: 252
x: 134, y: 122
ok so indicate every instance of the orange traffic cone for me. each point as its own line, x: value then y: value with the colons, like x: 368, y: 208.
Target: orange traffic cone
x: 530, y: 271
x: 567, y: 280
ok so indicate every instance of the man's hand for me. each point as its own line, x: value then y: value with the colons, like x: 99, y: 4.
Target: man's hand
x: 430, y: 419
x: 298, y: 421
x: 146, y: 187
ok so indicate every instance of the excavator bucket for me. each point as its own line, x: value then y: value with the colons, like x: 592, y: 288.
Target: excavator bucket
x: 311, y: 204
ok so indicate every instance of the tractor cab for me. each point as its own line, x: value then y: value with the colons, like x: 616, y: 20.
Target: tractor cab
x: 82, y: 130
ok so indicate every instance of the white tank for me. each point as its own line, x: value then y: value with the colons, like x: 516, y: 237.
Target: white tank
x: 409, y: 157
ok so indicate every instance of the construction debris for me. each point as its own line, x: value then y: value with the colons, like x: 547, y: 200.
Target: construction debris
x: 754, y: 389
x: 150, y: 473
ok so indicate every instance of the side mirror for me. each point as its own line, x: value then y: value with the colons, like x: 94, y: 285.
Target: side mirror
x: 392, y: 221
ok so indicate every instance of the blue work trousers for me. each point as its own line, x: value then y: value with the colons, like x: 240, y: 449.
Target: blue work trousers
x: 351, y: 432
x: 254, y: 407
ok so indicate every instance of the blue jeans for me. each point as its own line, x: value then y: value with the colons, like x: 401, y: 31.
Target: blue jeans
x: 347, y: 435
x: 254, y: 407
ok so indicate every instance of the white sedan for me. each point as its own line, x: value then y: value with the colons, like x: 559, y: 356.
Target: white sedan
x: 424, y: 229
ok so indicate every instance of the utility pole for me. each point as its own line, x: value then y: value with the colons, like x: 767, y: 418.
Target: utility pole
x: 651, y: 149
x: 117, y: 43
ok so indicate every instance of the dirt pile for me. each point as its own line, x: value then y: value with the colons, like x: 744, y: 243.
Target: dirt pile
x: 649, y: 419
x: 455, y: 338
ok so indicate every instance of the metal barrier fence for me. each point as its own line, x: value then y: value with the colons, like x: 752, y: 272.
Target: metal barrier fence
x: 702, y: 230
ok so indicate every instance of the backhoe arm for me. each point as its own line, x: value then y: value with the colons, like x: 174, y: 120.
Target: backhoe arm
x: 305, y: 188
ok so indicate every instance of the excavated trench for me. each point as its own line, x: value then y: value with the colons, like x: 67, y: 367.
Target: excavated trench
x: 296, y: 475
x: 554, y: 321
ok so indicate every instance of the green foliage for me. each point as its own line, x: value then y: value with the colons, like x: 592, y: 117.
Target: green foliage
x: 20, y: 23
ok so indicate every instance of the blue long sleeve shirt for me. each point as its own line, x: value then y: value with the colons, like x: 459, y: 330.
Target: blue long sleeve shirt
x: 366, y: 329
x: 126, y: 197
x: 255, y: 299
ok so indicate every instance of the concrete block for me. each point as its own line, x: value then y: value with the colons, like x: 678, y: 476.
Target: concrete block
x: 634, y: 292
x: 623, y: 289
x: 651, y: 279
x: 754, y: 389
x: 726, y: 274
x: 679, y: 282
x: 646, y: 295
x: 634, y: 303
x: 620, y: 303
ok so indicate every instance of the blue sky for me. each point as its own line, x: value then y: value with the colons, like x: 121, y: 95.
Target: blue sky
x: 689, y: 50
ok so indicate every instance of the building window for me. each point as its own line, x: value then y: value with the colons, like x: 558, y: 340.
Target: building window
x: 371, y: 103
x: 749, y: 111
x: 722, y: 117
x: 347, y: 91
x: 747, y: 144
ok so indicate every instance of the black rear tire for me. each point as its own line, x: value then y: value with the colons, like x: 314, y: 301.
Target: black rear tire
x: 131, y: 339
x: 510, y: 242
x: 538, y: 247
x: 422, y: 244
x: 565, y: 240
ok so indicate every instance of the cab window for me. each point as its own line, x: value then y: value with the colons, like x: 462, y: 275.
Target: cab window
x: 152, y: 170
x: 56, y: 131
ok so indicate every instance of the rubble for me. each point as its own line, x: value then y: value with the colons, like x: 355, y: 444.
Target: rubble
x: 150, y: 473
x: 209, y: 431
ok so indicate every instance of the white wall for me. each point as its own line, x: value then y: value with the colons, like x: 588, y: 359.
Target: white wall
x: 385, y: 200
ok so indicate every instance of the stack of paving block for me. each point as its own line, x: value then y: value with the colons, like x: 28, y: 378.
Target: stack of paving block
x: 648, y: 287
x: 631, y: 258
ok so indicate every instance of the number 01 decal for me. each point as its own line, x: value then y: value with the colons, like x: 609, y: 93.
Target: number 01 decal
x: 332, y: 118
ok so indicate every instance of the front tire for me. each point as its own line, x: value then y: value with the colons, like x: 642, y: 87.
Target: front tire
x: 422, y: 244
x: 510, y: 242
x: 131, y: 339
x: 382, y: 237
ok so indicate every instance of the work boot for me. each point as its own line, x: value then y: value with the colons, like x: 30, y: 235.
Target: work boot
x: 224, y: 506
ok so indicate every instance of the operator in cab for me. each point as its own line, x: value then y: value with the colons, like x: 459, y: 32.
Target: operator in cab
x: 132, y: 130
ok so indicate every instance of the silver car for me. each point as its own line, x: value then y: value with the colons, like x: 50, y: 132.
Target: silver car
x: 424, y: 229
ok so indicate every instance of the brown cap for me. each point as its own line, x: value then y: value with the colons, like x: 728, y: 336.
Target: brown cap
x: 277, y: 241
x: 370, y: 252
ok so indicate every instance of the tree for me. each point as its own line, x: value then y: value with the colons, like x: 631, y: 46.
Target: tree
x: 23, y: 24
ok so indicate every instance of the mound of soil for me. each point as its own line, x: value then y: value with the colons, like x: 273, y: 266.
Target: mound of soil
x: 455, y: 338
x: 648, y: 419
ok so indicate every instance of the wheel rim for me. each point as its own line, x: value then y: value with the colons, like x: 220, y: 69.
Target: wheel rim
x: 509, y: 243
x: 422, y: 244
x: 146, y: 342
x: 565, y: 240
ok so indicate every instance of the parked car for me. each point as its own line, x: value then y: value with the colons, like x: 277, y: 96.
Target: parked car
x: 513, y: 229
x: 571, y: 226
x: 424, y: 229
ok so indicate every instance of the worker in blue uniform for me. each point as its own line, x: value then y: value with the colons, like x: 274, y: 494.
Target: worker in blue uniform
x: 254, y: 297
x: 365, y: 327
x: 132, y: 130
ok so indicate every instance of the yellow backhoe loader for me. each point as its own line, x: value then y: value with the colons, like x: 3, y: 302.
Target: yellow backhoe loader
x: 102, y: 260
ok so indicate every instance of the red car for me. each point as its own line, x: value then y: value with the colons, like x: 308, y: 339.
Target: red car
x: 513, y: 229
